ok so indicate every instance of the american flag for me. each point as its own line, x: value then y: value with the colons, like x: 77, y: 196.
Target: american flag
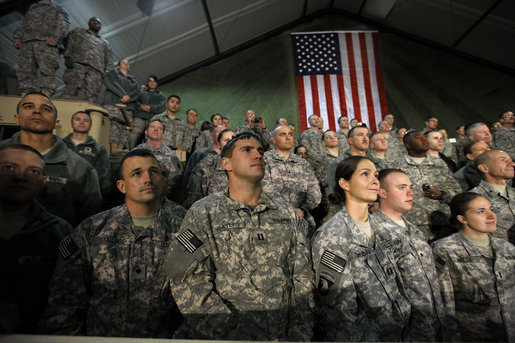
x: 339, y: 72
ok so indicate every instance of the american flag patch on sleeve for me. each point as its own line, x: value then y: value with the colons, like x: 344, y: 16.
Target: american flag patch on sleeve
x: 332, y: 261
x: 189, y: 241
x: 439, y: 262
x: 67, y: 247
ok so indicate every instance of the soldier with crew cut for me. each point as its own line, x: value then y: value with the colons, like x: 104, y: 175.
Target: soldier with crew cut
x: 505, y: 137
x: 39, y: 38
x: 240, y: 267
x: 311, y: 138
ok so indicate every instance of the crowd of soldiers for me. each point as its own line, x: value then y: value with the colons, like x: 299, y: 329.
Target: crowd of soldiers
x: 347, y: 235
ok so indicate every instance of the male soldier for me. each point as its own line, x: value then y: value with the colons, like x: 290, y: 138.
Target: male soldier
x: 240, y: 267
x: 378, y: 148
x: 391, y: 120
x: 343, y: 132
x: 430, y: 124
x: 29, y: 239
x: 39, y: 38
x: 88, y: 57
x: 72, y: 191
x: 155, y: 133
x: 480, y: 131
x: 427, y: 310
x: 192, y: 133
x: 256, y: 125
x: 469, y: 176
x: 89, y: 149
x: 249, y: 117
x: 225, y: 121
x: 112, y: 281
x: 505, y: 136
x: 208, y: 176
x: 312, y: 137
x: 281, y: 122
x: 121, y: 88
x: 322, y: 162
x: 497, y: 168
x: 434, y: 185
x: 174, y: 126
x: 290, y: 177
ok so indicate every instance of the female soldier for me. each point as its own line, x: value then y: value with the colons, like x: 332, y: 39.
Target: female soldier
x: 355, y: 262
x: 205, y: 140
x: 476, y: 272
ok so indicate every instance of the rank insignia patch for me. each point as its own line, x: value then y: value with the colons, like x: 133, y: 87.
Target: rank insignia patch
x: 189, y: 241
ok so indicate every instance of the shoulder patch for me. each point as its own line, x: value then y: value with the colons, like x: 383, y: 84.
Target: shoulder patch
x: 189, y: 241
x: 67, y: 247
x: 439, y: 262
x: 332, y: 261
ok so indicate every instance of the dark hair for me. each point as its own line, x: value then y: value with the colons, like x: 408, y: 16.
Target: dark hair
x: 173, y: 96
x: 343, y: 115
x: 429, y: 131
x: 23, y: 147
x: 383, y: 173
x: 428, y: 118
x: 326, y: 131
x: 225, y: 118
x: 459, y: 205
x: 344, y: 170
x: 408, y: 135
x: 156, y: 119
x: 220, y: 135
x: 298, y: 147
x: 154, y: 77
x: 121, y: 59
x: 205, y: 126
x: 458, y: 127
x: 468, y: 144
x: 132, y: 153
x: 214, y: 115
x: 85, y: 112
x: 191, y: 109
x: 351, y: 131
x: 36, y: 93
x: 229, y: 147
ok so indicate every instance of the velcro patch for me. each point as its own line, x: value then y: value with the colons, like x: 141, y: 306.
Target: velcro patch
x: 189, y: 241
x: 67, y: 247
x: 332, y: 261
x: 56, y: 179
x: 439, y: 262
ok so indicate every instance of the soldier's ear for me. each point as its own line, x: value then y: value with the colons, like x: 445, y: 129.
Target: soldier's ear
x: 17, y: 118
x: 226, y: 164
x: 56, y: 124
x: 344, y: 184
x: 461, y: 219
x: 120, y: 184
x: 382, y: 193
x: 483, y: 168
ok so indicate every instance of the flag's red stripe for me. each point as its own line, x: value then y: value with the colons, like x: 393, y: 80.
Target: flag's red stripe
x: 366, y: 81
x: 329, y: 101
x: 302, y: 104
x: 314, y: 95
x: 379, y: 77
x: 353, y: 80
x: 341, y: 92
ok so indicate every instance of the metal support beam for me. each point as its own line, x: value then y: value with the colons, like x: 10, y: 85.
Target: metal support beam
x: 211, y: 27
x: 362, y: 7
x: 466, y: 33
x: 304, y: 9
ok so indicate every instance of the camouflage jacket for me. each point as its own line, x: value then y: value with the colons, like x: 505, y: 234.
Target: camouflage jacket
x: 380, y: 163
x: 343, y: 142
x: 505, y: 140
x: 242, y: 273
x: 87, y: 48
x: 395, y: 149
x: 43, y: 21
x: 312, y: 140
x: 504, y: 209
x: 156, y: 100
x: 175, y: 129
x: 207, y: 177
x: 292, y: 180
x: 204, y: 140
x: 360, y: 284
x: 190, y: 137
x: 112, y: 281
x: 477, y: 287
x: 428, y: 212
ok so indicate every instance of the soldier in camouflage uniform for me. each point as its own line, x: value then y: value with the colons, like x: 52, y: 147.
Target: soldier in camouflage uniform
x: 192, y: 133
x: 430, y: 210
x: 428, y: 318
x: 496, y: 167
x: 112, y: 281
x: 240, y: 267
x: 39, y: 38
x: 208, y: 176
x: 205, y: 140
x: 476, y: 273
x: 312, y: 137
x: 356, y: 262
x: 175, y: 128
x: 290, y: 177
x: 87, y: 57
x: 377, y: 152
x: 396, y: 148
x: 505, y: 136
x: 343, y: 132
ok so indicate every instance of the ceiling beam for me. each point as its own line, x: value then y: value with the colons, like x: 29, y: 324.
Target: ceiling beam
x: 470, y: 29
x: 362, y: 7
x: 211, y: 27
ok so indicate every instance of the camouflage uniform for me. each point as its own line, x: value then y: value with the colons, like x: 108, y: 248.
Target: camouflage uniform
x: 505, y: 140
x: 190, y: 138
x: 167, y: 156
x: 312, y: 140
x: 157, y: 102
x: 504, y: 209
x: 380, y: 163
x: 88, y: 57
x: 112, y: 281
x: 428, y: 320
x: 264, y: 136
x: 478, y: 288
x: 292, y: 180
x: 207, y: 177
x: 395, y: 150
x: 118, y: 85
x: 204, y: 140
x: 429, y: 215
x: 242, y: 273
x: 360, y: 285
x: 343, y: 142
x: 72, y: 191
x: 42, y: 21
x: 195, y: 158
x: 27, y: 262
x: 330, y: 171
x: 175, y: 129
x: 96, y: 154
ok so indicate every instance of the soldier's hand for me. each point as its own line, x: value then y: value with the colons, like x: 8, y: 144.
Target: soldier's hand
x: 300, y: 212
x: 125, y: 98
x: 17, y: 45
x: 51, y: 42
x: 179, y: 147
x: 145, y: 108
x: 433, y: 193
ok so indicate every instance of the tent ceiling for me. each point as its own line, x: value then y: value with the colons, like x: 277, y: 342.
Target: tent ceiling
x: 179, y: 35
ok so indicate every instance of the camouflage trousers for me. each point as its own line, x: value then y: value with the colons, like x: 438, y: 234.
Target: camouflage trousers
x: 84, y: 77
x: 36, y: 55
x: 118, y: 132
x: 139, y: 126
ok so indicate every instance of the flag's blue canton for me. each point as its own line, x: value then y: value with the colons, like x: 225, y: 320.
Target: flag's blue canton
x: 317, y: 54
